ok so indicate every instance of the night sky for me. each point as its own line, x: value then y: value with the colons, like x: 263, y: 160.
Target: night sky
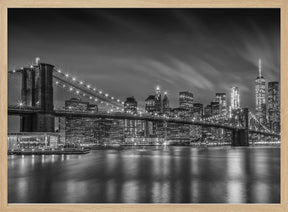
x: 127, y: 52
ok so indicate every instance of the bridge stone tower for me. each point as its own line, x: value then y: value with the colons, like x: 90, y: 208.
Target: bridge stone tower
x: 37, y: 91
x: 240, y: 137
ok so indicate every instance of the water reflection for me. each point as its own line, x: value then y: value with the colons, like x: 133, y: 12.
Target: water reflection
x: 148, y: 175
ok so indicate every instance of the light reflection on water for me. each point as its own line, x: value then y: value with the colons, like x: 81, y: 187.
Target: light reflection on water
x: 148, y: 175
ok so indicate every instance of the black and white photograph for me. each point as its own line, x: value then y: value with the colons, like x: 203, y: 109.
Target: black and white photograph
x: 143, y: 105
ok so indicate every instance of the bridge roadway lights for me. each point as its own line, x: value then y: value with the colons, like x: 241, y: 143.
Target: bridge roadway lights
x: 240, y: 137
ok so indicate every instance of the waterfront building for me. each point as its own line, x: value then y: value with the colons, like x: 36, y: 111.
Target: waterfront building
x: 260, y: 96
x: 130, y: 105
x: 75, y: 126
x: 80, y: 130
x: 31, y: 140
x: 132, y: 128
x: 274, y: 106
x: 196, y: 131
x: 186, y: 99
x: 235, y: 98
x: 114, y: 130
x: 221, y: 98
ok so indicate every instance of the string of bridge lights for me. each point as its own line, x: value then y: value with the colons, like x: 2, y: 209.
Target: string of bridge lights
x: 94, y: 89
x: 77, y: 92
x: 88, y: 86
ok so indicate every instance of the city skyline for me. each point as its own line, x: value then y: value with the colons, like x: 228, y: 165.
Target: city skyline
x: 154, y: 63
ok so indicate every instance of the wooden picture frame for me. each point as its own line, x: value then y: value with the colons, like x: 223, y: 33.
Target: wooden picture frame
x: 5, y: 4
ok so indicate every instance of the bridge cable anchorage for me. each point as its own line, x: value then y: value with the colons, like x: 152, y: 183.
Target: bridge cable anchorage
x: 89, y: 90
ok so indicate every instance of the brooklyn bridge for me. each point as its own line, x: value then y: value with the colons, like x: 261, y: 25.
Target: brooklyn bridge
x: 37, y: 112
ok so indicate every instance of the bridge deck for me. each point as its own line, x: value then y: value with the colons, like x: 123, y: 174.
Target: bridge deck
x: 14, y: 110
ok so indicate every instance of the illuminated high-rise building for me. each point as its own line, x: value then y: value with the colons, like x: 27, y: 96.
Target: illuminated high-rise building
x: 157, y: 91
x: 130, y: 105
x: 260, y: 96
x: 215, y: 108
x: 154, y: 102
x: 235, y: 98
x: 130, y: 126
x: 165, y: 103
x: 207, y: 111
x: 274, y: 106
x: 197, y: 110
x: 150, y: 104
x: 186, y: 99
x: 221, y: 98
x: 158, y: 100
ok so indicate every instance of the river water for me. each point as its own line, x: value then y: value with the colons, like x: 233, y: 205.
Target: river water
x: 148, y: 175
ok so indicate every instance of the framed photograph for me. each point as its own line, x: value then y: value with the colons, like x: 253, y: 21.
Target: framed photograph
x: 143, y: 106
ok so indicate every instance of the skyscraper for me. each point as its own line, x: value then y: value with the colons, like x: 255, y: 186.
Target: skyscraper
x: 221, y: 98
x: 274, y: 106
x: 154, y: 102
x: 165, y: 103
x: 130, y: 126
x: 235, y: 98
x: 186, y: 99
x: 207, y: 111
x: 158, y: 99
x: 215, y: 108
x: 130, y: 105
x: 260, y: 96
x: 150, y: 104
x: 197, y: 110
